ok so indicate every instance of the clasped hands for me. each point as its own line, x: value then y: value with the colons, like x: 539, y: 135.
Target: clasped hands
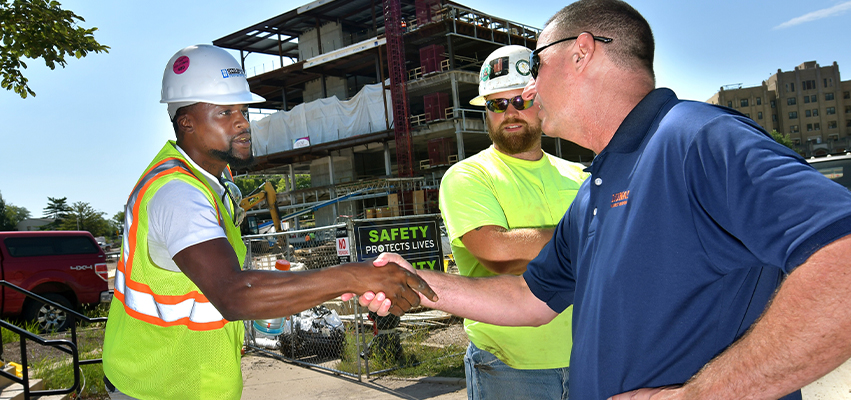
x: 398, y: 290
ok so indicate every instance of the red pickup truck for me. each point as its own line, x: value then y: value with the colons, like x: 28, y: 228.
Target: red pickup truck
x: 67, y: 267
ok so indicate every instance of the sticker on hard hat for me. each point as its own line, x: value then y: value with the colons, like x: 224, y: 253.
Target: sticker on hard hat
x: 498, y: 67
x: 485, y: 72
x: 522, y: 67
x: 232, y: 73
x: 180, y: 65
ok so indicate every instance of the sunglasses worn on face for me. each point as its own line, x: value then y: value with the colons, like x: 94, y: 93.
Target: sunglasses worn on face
x: 535, y: 59
x: 500, y: 105
x: 237, y: 213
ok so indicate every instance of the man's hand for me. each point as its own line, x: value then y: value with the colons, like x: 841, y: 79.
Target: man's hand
x: 393, y: 296
x: 379, y: 303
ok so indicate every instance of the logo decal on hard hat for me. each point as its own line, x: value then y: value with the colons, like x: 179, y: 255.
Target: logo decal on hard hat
x: 522, y: 67
x: 498, y: 67
x: 233, y: 73
x: 486, y: 70
x: 180, y: 65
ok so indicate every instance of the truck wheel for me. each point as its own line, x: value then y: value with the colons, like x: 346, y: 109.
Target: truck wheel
x: 48, y: 317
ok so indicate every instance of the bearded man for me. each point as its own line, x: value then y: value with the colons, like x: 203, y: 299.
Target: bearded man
x: 500, y: 208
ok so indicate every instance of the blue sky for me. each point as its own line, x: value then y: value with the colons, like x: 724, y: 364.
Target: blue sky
x: 96, y: 124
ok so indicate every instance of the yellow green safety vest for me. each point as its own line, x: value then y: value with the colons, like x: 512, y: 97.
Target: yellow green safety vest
x: 164, y: 339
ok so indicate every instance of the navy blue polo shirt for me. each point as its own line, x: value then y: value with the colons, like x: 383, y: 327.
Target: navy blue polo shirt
x: 676, y: 243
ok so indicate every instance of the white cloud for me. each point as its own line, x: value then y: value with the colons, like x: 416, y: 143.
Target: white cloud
x: 816, y: 15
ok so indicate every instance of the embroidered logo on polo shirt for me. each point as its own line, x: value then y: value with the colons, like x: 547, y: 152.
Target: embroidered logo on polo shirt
x: 620, y: 199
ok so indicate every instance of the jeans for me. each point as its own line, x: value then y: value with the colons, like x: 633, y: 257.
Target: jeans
x: 488, y: 378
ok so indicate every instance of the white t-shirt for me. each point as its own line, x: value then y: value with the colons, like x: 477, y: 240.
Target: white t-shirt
x: 180, y: 216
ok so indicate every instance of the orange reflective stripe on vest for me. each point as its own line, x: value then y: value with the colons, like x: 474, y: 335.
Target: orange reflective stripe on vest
x: 192, y: 309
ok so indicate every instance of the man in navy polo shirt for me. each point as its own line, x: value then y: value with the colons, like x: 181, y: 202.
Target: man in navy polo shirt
x: 675, y: 246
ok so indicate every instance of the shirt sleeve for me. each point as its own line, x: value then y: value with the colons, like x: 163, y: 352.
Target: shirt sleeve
x: 550, y: 275
x: 179, y: 216
x: 467, y: 201
x: 757, y: 190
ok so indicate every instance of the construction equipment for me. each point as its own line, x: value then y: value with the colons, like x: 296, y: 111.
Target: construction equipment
x: 264, y: 192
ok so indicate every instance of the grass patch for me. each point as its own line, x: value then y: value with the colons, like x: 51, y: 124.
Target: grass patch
x: 409, y: 354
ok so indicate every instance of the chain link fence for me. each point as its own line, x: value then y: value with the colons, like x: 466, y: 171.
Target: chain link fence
x: 342, y: 337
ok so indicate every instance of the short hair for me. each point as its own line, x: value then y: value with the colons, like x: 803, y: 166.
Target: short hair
x: 633, y: 45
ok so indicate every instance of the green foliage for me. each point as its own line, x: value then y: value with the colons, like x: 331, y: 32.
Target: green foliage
x: 16, y: 214
x: 249, y: 183
x: 783, y: 139
x: 5, y: 223
x: 56, y: 371
x: 83, y: 217
x: 56, y: 207
x: 39, y: 29
x: 117, y: 223
x: 418, y: 358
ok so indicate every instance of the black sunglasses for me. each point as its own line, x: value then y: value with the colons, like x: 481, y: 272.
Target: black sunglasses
x: 232, y: 191
x: 500, y: 105
x: 535, y: 59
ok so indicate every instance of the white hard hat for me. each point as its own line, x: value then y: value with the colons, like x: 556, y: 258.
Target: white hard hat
x: 204, y: 73
x: 507, y: 68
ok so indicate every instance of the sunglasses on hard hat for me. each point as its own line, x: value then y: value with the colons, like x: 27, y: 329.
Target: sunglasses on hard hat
x: 237, y: 212
x: 500, y: 105
x: 535, y: 59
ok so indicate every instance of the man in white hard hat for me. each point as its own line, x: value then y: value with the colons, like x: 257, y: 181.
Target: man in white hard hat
x: 514, y: 194
x: 174, y: 330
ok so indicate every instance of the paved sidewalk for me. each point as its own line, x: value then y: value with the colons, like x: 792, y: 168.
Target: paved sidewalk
x: 270, y: 378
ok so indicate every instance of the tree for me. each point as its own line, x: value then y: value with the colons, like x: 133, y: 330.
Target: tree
x: 117, y: 223
x: 783, y: 139
x: 39, y: 29
x: 85, y: 218
x: 57, y: 209
x: 16, y: 214
x: 5, y: 223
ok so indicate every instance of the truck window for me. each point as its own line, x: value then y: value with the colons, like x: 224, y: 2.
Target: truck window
x: 837, y: 170
x: 49, y: 246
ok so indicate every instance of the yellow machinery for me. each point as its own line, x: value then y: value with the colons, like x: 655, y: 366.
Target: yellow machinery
x: 264, y: 192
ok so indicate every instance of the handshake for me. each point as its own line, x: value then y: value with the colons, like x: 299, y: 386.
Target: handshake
x: 390, y: 286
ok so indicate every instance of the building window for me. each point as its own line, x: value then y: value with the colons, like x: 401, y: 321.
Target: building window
x: 759, y: 100
x: 816, y: 126
x: 846, y: 95
x: 815, y: 112
x: 791, y: 101
x: 848, y: 123
x: 828, y: 82
x: 828, y: 96
x: 748, y: 115
x: 848, y: 109
x: 810, y: 85
x: 793, y: 128
x: 813, y: 99
x: 773, y: 104
x: 744, y: 102
x: 831, y: 124
x: 793, y: 115
x: 830, y: 111
x: 806, y: 99
x: 809, y: 127
x: 807, y: 113
x: 729, y: 104
x: 833, y: 137
x: 774, y: 117
x: 790, y: 87
x: 759, y: 115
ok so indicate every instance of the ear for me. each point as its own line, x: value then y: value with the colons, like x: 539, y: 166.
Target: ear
x: 584, y: 51
x: 186, y: 123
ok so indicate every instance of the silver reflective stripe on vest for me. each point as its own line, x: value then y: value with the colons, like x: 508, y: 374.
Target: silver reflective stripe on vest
x: 198, y: 312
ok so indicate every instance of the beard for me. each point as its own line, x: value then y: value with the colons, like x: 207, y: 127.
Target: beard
x: 231, y: 158
x: 518, y: 142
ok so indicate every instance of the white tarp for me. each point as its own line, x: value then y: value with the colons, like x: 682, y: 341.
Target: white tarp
x: 323, y: 120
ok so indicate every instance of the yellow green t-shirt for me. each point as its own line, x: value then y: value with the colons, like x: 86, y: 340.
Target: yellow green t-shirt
x: 491, y: 188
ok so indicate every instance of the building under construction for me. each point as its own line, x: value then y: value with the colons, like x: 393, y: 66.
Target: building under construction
x: 371, y: 100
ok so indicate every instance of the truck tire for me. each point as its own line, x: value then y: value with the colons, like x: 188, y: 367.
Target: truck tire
x: 48, y: 317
